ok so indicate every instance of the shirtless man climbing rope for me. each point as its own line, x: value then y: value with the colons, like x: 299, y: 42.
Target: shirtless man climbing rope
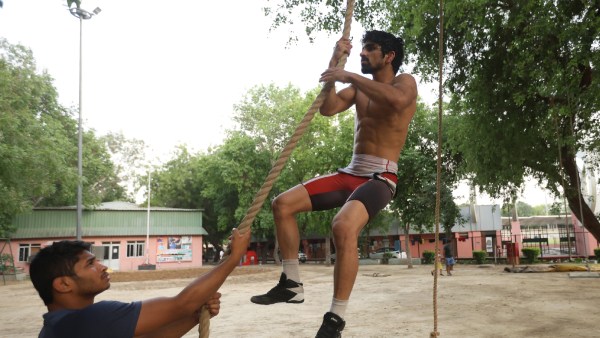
x: 385, y: 106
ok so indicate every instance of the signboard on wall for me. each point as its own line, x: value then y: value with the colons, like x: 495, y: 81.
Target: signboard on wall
x: 174, y: 249
x: 489, y: 247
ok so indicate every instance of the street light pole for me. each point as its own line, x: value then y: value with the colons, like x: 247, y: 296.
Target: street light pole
x: 81, y: 14
x: 147, y: 251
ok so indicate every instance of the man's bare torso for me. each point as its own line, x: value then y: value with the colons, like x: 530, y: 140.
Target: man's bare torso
x: 381, y: 130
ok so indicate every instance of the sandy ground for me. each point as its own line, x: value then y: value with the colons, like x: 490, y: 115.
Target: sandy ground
x: 475, y: 302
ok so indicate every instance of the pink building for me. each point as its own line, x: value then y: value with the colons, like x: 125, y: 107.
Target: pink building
x: 481, y: 230
x: 124, y: 236
x: 557, y: 236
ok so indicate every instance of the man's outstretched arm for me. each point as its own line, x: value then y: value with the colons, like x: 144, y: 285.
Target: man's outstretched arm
x: 179, y: 328
x: 159, y: 312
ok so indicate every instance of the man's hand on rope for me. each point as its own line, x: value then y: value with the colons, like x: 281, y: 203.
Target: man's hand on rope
x: 343, y: 46
x: 238, y: 243
x: 335, y: 74
x: 332, y: 74
x: 213, y: 305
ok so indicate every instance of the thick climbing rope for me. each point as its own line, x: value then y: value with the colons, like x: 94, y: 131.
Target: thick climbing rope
x: 261, y: 195
x: 435, y: 332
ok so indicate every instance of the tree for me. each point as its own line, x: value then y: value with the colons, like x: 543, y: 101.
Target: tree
x: 224, y: 180
x: 526, y: 210
x: 522, y: 77
x: 540, y: 209
x: 270, y: 115
x: 32, y: 143
x: 130, y: 160
x: 38, y: 144
x: 415, y: 203
x: 523, y: 210
x: 178, y: 184
x: 100, y: 180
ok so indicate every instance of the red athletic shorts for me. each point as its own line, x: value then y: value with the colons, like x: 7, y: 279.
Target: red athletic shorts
x: 333, y: 190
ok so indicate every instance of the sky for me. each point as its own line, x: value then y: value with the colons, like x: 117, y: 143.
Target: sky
x: 166, y: 74
x: 170, y: 73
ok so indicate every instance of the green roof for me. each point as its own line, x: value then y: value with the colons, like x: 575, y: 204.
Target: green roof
x: 108, y: 219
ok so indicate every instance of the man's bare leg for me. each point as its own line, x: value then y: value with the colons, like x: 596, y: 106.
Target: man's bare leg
x: 285, y: 208
x: 346, y: 227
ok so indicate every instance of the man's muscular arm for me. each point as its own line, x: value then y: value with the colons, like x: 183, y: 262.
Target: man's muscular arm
x: 400, y: 93
x: 174, y: 330
x: 159, y: 312
x: 182, y: 326
x: 338, y: 102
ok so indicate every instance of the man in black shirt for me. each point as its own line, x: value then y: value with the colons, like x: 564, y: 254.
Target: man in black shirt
x: 449, y: 258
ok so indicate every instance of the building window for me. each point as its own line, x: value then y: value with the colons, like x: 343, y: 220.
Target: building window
x: 27, y: 250
x: 135, y: 248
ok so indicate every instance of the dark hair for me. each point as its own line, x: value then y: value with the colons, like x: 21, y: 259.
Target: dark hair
x: 388, y: 43
x: 54, y: 261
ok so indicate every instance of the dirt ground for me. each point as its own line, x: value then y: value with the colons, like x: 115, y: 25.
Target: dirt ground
x: 478, y: 301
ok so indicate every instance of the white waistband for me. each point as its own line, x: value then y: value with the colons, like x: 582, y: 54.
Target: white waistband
x: 366, y: 165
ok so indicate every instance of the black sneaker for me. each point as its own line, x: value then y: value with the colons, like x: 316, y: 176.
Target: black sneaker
x: 286, y: 291
x: 332, y: 326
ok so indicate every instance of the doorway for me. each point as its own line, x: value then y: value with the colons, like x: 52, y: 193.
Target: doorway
x: 111, y: 255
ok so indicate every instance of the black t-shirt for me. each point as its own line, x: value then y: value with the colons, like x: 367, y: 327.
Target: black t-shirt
x: 102, y: 320
x: 447, y: 251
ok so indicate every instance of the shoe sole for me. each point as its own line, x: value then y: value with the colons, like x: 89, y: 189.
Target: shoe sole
x: 270, y: 303
x: 288, y: 302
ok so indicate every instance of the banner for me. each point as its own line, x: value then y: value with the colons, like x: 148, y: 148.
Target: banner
x: 174, y: 249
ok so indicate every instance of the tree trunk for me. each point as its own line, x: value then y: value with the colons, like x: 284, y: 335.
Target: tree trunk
x: 582, y: 211
x: 407, y: 245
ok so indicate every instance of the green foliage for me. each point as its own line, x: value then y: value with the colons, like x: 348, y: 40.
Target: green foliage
x: 525, y: 210
x: 428, y: 256
x: 269, y: 116
x: 597, y: 253
x: 417, y: 170
x: 480, y: 256
x: 32, y: 145
x: 558, y: 208
x: 38, y: 144
x: 522, y: 77
x: 129, y: 159
x: 531, y: 255
x: 213, y: 182
x: 224, y: 180
x: 6, y: 264
x: 539, y: 210
x: 521, y: 92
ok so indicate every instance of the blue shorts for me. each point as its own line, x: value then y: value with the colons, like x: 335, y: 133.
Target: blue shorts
x: 450, y: 261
